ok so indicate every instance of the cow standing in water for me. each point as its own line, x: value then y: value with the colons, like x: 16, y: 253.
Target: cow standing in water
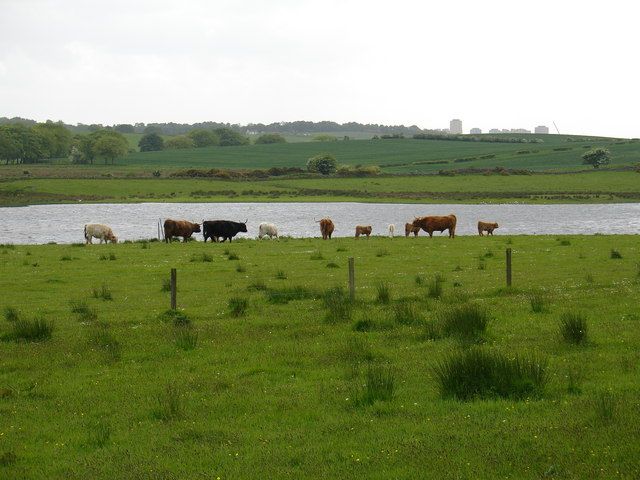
x: 363, y: 230
x: 98, y: 230
x: 486, y: 227
x: 409, y: 229
x: 326, y: 228
x: 179, y: 228
x: 437, y: 224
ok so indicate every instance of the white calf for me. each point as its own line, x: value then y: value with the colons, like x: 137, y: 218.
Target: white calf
x: 267, y: 229
x: 98, y: 230
x: 392, y: 230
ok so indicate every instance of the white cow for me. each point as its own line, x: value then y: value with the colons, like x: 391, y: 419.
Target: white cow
x: 267, y: 229
x: 98, y: 230
x: 392, y: 230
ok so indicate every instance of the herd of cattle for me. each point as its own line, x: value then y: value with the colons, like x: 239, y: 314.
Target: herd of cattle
x: 221, y: 230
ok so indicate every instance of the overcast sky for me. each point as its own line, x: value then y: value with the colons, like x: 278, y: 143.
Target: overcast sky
x: 502, y: 64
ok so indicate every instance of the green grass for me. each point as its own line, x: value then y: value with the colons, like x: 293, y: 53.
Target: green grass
x: 282, y: 392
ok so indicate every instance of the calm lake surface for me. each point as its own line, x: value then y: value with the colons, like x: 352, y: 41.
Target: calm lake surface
x: 64, y: 223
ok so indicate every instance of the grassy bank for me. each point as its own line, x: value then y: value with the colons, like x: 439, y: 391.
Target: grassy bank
x: 596, y: 187
x: 264, y: 370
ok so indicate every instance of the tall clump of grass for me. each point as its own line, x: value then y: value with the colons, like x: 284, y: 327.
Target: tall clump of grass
x: 338, y: 305
x: 573, y: 328
x: 477, y: 373
x: 605, y: 405
x: 257, y: 285
x: 11, y: 314
x: 83, y: 311
x: 177, y: 317
x: 615, y: 254
x: 467, y: 321
x: 383, y: 292
x: 203, y: 257
x: 407, y: 313
x: 238, y: 306
x: 379, y: 385
x: 99, y: 434
x: 169, y: 404
x: 36, y: 330
x: 434, y: 288
x: 281, y: 275
x: 538, y: 303
x: 317, y: 255
x: 185, y: 338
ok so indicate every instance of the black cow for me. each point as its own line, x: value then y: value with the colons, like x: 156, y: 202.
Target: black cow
x: 224, y: 229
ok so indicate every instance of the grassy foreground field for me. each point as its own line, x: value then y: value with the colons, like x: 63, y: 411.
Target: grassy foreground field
x: 596, y: 187
x: 258, y: 376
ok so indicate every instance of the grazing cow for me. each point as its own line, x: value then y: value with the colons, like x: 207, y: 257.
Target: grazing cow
x: 363, y: 230
x: 409, y: 228
x: 392, y: 230
x: 98, y: 230
x: 326, y: 228
x: 437, y: 224
x: 267, y: 229
x: 179, y: 228
x: 225, y: 229
x: 486, y: 227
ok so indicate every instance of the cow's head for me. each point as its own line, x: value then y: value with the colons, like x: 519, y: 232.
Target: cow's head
x: 112, y: 238
x: 195, y: 227
x: 243, y: 225
x: 495, y: 225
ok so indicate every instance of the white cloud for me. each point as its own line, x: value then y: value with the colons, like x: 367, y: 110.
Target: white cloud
x: 493, y: 64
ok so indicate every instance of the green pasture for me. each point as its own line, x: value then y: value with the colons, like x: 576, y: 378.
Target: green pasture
x: 595, y: 187
x: 263, y: 371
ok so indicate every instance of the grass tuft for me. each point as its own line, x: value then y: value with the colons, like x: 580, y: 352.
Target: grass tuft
x: 203, y: 257
x: 177, y: 317
x: 241, y: 268
x: 65, y: 258
x: 573, y: 328
x: 257, y: 285
x: 332, y: 265
x: 169, y: 404
x: 84, y: 312
x: 538, y: 303
x: 103, y: 292
x: 382, y: 252
x: 466, y: 321
x: 185, y: 338
x: 101, y: 338
x: 238, y: 306
x: 99, y: 434
x: 280, y: 275
x: 233, y: 256
x: 287, y: 294
x: 605, y: 405
x: 434, y: 288
x: 477, y: 373
x: 35, y: 330
x: 615, y: 254
x: 317, y: 255
x: 383, y: 292
x: 11, y: 314
x: 407, y: 313
x: 419, y: 279
x: 379, y: 385
x: 338, y: 305
x: 104, y: 256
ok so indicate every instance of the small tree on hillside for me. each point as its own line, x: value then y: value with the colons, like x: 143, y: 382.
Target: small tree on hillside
x: 597, y: 157
x: 110, y: 146
x: 151, y: 142
x: 270, y: 138
x: 325, y: 163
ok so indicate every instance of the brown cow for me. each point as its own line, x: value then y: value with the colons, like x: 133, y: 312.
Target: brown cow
x: 486, y: 227
x: 179, y: 228
x: 437, y: 224
x: 363, y: 230
x: 409, y: 228
x: 326, y: 228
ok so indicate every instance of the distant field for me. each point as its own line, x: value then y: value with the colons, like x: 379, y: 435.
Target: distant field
x: 598, y: 187
x: 266, y: 372
x: 406, y: 156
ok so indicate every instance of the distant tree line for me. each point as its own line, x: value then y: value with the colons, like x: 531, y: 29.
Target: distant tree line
x: 24, y: 143
x: 473, y: 138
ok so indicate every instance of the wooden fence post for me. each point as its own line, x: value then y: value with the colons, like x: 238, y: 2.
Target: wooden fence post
x: 352, y: 280
x: 508, y: 267
x: 174, y: 287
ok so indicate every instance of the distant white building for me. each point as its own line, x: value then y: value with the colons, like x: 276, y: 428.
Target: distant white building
x: 542, y: 129
x: 455, y: 126
x: 494, y: 130
x: 475, y: 131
